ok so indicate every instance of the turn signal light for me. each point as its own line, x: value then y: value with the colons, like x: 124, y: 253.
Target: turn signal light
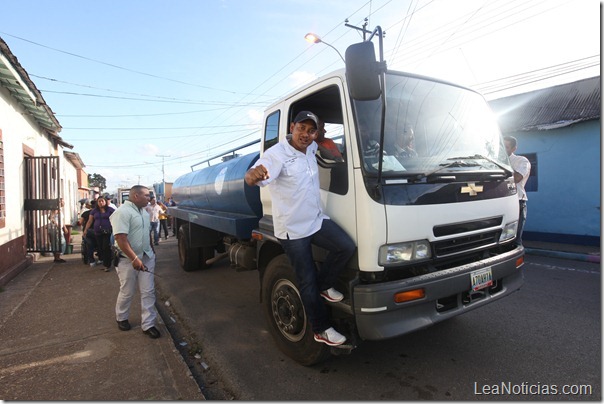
x: 256, y: 236
x: 520, y: 262
x: 409, y: 295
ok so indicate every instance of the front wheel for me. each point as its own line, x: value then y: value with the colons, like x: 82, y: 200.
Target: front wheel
x: 285, y: 315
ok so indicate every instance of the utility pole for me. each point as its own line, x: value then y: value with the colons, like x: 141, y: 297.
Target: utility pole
x: 163, y: 177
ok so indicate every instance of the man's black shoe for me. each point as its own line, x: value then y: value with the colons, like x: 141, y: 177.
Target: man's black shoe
x: 123, y: 325
x: 152, y: 332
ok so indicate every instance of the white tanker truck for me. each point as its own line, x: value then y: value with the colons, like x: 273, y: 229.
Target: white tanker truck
x: 435, y: 232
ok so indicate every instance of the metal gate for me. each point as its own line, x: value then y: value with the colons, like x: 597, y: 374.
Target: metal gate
x: 43, y: 223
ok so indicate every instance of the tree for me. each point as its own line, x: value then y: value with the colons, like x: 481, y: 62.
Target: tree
x: 97, y: 180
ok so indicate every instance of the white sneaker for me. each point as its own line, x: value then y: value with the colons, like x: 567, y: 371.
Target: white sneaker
x: 332, y: 295
x: 92, y: 264
x: 330, y: 337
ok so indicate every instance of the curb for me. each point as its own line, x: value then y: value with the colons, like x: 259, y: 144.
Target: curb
x: 564, y: 255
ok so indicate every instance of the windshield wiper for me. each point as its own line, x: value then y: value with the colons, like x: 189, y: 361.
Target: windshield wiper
x: 457, y: 163
x: 490, y: 160
x: 460, y: 162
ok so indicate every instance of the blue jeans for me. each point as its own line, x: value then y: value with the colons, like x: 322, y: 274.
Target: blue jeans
x: 521, y: 220
x: 155, y: 230
x: 90, y: 245
x: 312, y: 281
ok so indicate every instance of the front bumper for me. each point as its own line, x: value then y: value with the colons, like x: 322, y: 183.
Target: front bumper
x: 447, y: 294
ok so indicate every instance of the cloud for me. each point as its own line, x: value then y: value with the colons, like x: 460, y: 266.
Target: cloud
x: 150, y: 149
x: 299, y: 78
x: 255, y: 115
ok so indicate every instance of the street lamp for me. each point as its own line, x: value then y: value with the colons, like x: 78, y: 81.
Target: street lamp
x: 314, y: 38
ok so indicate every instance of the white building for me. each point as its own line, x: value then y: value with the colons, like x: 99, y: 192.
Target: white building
x: 34, y: 172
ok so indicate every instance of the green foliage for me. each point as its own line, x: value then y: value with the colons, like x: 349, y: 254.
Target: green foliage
x: 97, y: 180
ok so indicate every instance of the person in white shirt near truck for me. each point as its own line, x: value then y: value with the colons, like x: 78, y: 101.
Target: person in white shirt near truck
x: 290, y: 170
x: 522, y: 170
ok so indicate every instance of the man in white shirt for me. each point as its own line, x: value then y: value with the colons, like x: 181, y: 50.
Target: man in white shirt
x: 290, y: 167
x: 522, y: 170
x: 130, y: 224
x: 154, y: 210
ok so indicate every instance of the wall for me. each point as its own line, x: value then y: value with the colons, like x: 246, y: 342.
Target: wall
x: 19, y: 131
x: 566, y: 206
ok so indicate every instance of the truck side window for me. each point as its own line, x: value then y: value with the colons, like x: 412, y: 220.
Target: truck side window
x: 335, y: 177
x: 271, y: 133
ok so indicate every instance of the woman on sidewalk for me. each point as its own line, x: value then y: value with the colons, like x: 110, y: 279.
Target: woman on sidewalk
x: 99, y: 217
x: 58, y: 235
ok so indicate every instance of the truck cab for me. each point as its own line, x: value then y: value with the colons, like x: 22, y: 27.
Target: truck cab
x: 435, y: 228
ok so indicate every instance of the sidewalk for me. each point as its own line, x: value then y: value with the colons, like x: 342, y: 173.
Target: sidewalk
x: 565, y: 251
x: 60, y: 340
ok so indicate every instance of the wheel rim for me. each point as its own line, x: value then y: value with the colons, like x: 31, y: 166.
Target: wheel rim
x: 287, y: 309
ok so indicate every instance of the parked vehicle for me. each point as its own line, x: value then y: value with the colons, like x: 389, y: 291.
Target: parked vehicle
x: 434, y: 231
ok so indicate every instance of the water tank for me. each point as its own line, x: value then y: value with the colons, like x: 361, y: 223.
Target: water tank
x: 220, y: 188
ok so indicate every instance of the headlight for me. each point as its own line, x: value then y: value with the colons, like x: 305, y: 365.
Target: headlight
x: 402, y: 253
x: 509, y: 232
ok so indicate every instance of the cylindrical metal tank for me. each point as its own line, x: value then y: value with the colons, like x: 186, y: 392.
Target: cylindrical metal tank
x: 220, y: 188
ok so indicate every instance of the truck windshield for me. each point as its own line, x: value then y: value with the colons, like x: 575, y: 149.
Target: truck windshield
x: 430, y: 127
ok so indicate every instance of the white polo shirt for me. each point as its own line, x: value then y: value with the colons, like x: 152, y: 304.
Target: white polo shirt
x: 294, y: 189
x: 521, y: 165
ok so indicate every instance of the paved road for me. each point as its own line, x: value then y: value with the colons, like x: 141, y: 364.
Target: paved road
x: 540, y: 339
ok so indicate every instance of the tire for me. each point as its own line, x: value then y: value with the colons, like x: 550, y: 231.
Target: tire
x: 285, y: 315
x: 205, y: 254
x: 188, y: 257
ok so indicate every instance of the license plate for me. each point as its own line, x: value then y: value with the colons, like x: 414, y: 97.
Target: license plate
x: 481, y: 279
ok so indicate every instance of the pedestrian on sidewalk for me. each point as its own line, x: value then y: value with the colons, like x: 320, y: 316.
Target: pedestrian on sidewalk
x: 88, y: 236
x: 154, y: 210
x: 58, y: 232
x: 99, y: 218
x: 131, y: 226
x: 163, y: 220
x: 522, y: 170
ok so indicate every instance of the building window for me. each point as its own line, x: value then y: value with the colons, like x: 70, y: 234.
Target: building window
x: 532, y: 185
x: 2, y: 186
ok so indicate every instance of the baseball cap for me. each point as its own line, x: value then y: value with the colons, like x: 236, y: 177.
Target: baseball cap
x: 304, y: 115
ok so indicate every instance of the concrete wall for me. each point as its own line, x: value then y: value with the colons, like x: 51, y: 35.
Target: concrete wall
x: 20, y: 132
x: 566, y: 206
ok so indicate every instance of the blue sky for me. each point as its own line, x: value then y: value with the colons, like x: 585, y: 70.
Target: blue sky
x: 131, y: 81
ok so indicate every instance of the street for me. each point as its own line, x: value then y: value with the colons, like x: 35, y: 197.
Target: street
x: 540, y: 343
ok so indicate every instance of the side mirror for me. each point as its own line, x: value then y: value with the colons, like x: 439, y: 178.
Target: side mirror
x: 363, y: 72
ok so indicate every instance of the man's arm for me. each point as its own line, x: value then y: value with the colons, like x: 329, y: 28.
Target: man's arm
x: 122, y: 242
x: 522, y: 170
x: 88, y: 223
x: 256, y: 174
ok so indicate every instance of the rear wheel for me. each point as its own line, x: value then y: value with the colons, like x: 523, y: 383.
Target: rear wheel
x: 287, y: 321
x: 205, y: 253
x: 187, y: 256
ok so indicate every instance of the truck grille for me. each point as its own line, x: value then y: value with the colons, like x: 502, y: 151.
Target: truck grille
x: 458, y: 245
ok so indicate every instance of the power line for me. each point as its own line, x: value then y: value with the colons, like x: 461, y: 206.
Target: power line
x: 157, y: 128
x: 165, y: 99
x: 159, y: 97
x: 534, y: 76
x: 118, y: 67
